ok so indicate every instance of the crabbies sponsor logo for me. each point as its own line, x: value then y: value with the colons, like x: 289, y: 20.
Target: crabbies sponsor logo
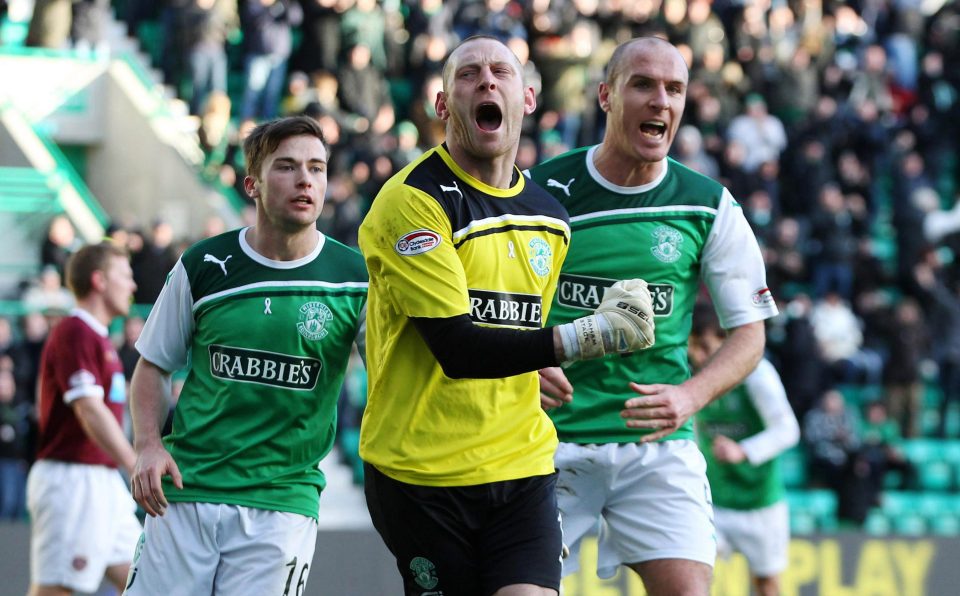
x: 580, y: 291
x: 762, y: 297
x: 263, y: 368
x: 513, y: 310
x: 417, y: 242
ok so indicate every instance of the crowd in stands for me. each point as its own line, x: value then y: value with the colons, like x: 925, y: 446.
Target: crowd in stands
x: 834, y: 124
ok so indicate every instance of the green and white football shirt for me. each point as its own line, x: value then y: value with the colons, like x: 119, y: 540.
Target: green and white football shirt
x: 267, y: 344
x: 672, y: 232
x: 757, y: 415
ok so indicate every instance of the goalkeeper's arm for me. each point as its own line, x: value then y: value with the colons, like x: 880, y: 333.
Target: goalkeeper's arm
x: 622, y: 323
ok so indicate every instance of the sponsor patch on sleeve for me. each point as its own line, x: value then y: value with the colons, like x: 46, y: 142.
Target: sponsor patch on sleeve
x: 417, y: 242
x: 762, y: 297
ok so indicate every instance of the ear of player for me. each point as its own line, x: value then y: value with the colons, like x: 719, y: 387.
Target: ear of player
x: 622, y: 323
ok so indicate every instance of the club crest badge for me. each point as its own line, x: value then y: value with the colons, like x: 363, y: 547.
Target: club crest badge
x: 314, y: 317
x: 540, y: 256
x: 666, y: 244
x: 424, y: 573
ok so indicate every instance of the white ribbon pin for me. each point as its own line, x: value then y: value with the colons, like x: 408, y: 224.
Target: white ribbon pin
x: 266, y: 307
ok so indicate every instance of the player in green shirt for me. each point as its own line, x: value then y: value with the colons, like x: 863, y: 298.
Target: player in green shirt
x: 741, y: 436
x: 626, y: 452
x: 265, y: 317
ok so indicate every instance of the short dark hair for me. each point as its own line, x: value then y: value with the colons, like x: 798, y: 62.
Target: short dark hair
x: 90, y: 258
x: 265, y: 138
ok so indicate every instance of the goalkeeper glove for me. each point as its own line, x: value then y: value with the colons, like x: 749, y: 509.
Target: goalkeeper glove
x: 622, y: 323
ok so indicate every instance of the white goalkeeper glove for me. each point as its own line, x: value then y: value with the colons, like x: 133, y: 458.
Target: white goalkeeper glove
x: 622, y: 323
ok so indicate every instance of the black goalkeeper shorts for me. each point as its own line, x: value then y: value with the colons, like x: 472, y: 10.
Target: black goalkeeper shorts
x: 468, y: 540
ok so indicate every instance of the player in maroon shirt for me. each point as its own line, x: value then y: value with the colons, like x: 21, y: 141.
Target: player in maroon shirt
x: 84, y: 521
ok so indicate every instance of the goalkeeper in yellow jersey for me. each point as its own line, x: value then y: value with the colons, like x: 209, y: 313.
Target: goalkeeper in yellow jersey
x: 463, y: 254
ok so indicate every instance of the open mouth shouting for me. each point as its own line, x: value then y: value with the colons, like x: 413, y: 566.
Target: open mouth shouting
x: 489, y: 116
x: 653, y: 129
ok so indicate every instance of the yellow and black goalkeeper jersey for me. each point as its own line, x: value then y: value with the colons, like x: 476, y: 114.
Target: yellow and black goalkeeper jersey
x: 439, y: 243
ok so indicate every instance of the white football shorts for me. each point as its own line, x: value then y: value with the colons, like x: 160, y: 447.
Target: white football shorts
x: 647, y: 501
x: 761, y: 535
x: 217, y: 549
x: 83, y: 520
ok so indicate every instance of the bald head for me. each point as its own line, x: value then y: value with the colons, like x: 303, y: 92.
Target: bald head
x: 638, y: 44
x: 454, y: 59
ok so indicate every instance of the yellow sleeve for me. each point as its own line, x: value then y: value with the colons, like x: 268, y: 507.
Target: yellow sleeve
x: 406, y: 240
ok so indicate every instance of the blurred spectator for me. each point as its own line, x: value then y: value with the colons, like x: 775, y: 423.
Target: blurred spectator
x: 761, y: 134
x: 908, y: 341
x: 430, y: 25
x: 424, y: 115
x: 944, y: 317
x: 840, y: 337
x: 152, y: 264
x: 783, y: 254
x: 832, y: 437
x: 320, y: 45
x: 88, y: 28
x: 60, y: 242
x: 81, y: 22
x: 268, y: 38
x: 882, y: 444
x: 732, y: 172
x: 50, y: 24
x: 206, y: 26
x: 214, y: 132
x: 936, y: 223
x: 834, y: 244
x: 801, y: 366
x: 363, y: 91
x: 870, y: 83
x: 47, y: 294
x: 407, y: 148
x: 34, y: 329
x: 760, y: 213
x: 14, y: 428
x: 299, y: 94
x: 342, y: 209
x: 564, y: 57
x: 365, y: 24
x: 794, y: 89
x: 690, y: 152
x: 132, y: 326
x: 939, y: 96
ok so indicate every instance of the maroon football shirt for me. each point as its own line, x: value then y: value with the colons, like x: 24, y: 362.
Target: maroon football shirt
x: 78, y: 361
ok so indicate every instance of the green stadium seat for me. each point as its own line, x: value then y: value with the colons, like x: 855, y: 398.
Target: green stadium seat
x: 793, y: 466
x: 909, y: 524
x: 802, y: 523
x: 895, y: 502
x: 935, y: 471
x: 877, y: 523
x: 944, y: 525
x: 818, y: 504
